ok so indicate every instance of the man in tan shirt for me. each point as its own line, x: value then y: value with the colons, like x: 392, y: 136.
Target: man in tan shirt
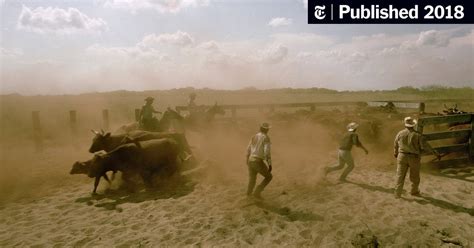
x: 259, y: 153
x: 349, y: 140
x: 408, y: 148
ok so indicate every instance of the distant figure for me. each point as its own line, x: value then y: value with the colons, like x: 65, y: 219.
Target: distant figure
x: 147, y: 121
x: 408, y: 147
x: 258, y: 153
x: 191, y: 102
x: 344, y: 153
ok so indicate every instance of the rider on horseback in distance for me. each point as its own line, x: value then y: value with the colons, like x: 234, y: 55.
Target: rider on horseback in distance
x: 147, y: 121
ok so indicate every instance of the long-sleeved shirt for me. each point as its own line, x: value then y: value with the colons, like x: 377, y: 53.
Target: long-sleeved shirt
x: 147, y: 111
x: 410, y: 142
x: 349, y: 139
x: 259, y: 148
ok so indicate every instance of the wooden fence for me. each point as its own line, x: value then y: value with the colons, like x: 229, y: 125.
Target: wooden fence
x: 38, y: 133
x: 465, y: 149
x: 312, y: 105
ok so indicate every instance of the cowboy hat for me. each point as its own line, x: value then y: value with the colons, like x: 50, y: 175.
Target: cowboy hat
x: 149, y: 99
x: 265, y: 125
x: 352, y: 126
x: 409, y: 122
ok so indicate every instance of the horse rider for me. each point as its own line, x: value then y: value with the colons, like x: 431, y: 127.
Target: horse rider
x: 408, y: 147
x: 147, y: 120
x: 192, y: 106
x: 344, y: 154
x: 258, y: 157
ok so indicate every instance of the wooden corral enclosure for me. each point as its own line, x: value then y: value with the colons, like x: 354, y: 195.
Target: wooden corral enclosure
x: 310, y: 105
x: 465, y: 150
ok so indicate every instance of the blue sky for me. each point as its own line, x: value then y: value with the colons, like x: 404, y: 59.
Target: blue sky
x: 55, y: 47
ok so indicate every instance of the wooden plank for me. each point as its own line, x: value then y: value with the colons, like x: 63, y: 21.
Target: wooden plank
x: 73, y: 122
x: 408, y: 105
x: 471, y: 141
x: 419, y: 128
x: 449, y: 163
x: 464, y: 118
x: 105, y: 119
x: 448, y: 134
x: 280, y: 105
x: 421, y: 108
x: 450, y: 148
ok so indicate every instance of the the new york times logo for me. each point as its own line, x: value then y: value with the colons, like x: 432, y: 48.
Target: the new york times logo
x: 390, y: 11
x: 319, y: 12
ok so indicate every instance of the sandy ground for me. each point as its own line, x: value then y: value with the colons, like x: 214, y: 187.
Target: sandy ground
x: 42, y: 205
x: 212, y: 211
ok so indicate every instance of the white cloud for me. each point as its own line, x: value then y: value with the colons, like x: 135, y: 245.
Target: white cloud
x: 10, y: 52
x: 57, y: 20
x: 280, y: 22
x: 162, y: 6
x: 209, y: 45
x: 440, y: 38
x: 169, y: 60
x: 273, y: 54
x: 178, y: 39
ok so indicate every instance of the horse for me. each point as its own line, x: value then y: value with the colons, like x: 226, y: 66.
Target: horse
x: 195, y: 120
x: 162, y: 125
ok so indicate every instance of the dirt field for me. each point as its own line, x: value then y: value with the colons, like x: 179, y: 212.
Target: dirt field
x: 41, y: 204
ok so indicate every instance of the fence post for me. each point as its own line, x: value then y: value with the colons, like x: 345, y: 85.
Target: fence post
x: 471, y: 141
x: 105, y: 119
x: 421, y: 108
x: 234, y: 112
x: 419, y: 127
x: 37, y: 134
x: 137, y: 114
x: 73, y: 122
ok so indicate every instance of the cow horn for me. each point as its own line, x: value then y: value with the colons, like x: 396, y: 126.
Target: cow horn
x: 455, y: 105
x: 94, y: 132
x: 446, y: 107
x: 102, y: 131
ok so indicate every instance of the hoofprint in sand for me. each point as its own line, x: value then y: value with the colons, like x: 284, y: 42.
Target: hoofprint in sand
x: 213, y: 214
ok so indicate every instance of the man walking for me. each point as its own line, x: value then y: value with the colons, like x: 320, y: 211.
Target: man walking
x: 258, y: 153
x: 408, y: 147
x: 344, y: 154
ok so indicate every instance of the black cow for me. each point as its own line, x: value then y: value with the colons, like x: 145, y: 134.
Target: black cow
x: 145, y: 158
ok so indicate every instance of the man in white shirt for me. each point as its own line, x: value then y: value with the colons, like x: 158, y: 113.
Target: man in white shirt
x: 259, y: 153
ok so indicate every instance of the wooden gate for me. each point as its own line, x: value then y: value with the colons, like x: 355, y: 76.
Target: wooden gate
x: 466, y: 150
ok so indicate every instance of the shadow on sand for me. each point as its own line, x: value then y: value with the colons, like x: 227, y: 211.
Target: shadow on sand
x: 421, y: 200
x: 287, y: 212
x: 113, y: 198
x: 464, y: 174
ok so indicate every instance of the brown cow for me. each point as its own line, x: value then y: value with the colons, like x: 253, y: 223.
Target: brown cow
x: 145, y: 158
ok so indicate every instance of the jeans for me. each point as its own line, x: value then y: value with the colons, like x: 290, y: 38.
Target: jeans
x: 345, y: 157
x: 255, y: 167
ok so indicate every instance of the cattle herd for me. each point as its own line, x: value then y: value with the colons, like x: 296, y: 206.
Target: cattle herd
x: 142, y: 154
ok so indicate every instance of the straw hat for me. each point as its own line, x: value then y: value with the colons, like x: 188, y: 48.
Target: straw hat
x: 352, y: 126
x: 149, y: 99
x: 265, y: 125
x: 409, y: 122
